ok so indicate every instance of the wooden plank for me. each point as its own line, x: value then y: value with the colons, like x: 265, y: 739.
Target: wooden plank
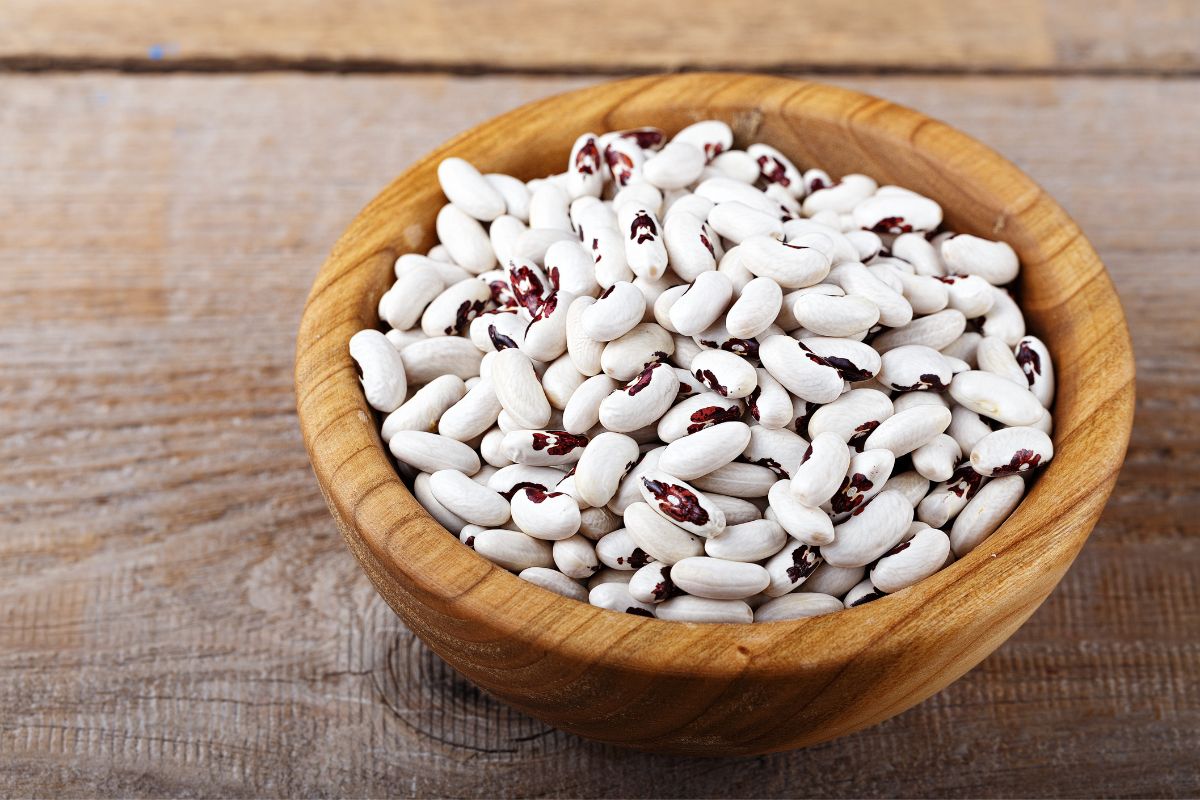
x: 616, y: 36
x: 178, y: 614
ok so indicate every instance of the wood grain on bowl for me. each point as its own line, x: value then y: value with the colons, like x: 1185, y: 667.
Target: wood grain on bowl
x: 725, y: 689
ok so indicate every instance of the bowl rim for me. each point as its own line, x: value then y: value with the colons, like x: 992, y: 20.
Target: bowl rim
x: 382, y: 520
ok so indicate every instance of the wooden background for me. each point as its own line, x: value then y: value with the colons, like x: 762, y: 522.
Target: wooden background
x: 178, y: 615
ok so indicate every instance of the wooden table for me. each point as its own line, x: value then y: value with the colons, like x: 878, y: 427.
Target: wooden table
x: 178, y: 615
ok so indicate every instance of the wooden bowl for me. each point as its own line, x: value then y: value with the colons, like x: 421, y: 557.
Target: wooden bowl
x: 724, y: 689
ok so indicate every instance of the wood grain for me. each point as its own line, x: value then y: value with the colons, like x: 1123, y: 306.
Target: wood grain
x: 178, y: 615
x: 615, y: 36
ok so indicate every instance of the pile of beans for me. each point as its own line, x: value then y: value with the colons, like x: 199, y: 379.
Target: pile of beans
x: 696, y: 383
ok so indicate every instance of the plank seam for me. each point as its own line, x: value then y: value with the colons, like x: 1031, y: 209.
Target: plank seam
x: 35, y: 63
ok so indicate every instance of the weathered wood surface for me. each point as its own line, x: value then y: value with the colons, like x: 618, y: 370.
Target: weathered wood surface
x: 549, y: 36
x: 178, y: 615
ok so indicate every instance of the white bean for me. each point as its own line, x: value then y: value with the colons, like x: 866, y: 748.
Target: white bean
x: 569, y: 268
x: 792, y: 265
x: 797, y: 606
x: 704, y: 451
x: 616, y: 597
x: 575, y: 557
x: 608, y: 254
x: 466, y: 188
x: 626, y: 357
x: 1004, y: 318
x: 915, y: 368
x: 383, y: 380
x: 617, y: 311
x: 769, y: 403
x: 642, y: 401
x: 866, y: 474
x: 519, y: 390
x: 513, y: 550
x: 618, y: 550
x: 738, y: 165
x: 660, y: 537
x: 702, y: 304
x: 738, y: 479
x: 423, y: 410
x: 897, y: 213
x: 583, y: 408
x: 994, y: 355
x: 820, y: 474
x: 806, y: 523
x: 446, y: 518
x: 514, y: 192
x: 857, y: 280
x: 852, y: 416
x: 413, y: 290
x: 996, y: 397
x: 543, y: 448
x: 969, y: 294
x: 585, y: 167
x: 937, y: 330
x: 755, y: 309
x: 854, y: 361
x: 686, y: 608
x: 1011, y: 451
x: 696, y: 413
x: 678, y: 164
x: 468, y: 499
x: 803, y: 374
x: 548, y: 208
x: 545, y: 515
x: 738, y: 222
x: 911, y: 561
x: 429, y: 359
x: 737, y: 510
x: 725, y: 373
x: 604, y: 462
x: 560, y: 380
x: 652, y: 583
x: 937, y: 458
x: 985, y: 513
x: 554, y: 581
x: 839, y: 197
x: 430, y: 452
x: 681, y: 504
x: 790, y: 567
x: 995, y: 262
x: 748, y: 541
x: 546, y: 337
x: 465, y: 239
x: 718, y: 579
x: 645, y: 252
x: 871, y: 532
x: 1034, y: 358
x: 836, y: 581
x: 779, y: 450
x: 473, y: 415
x: 911, y: 484
x: 828, y: 315
x: 907, y: 430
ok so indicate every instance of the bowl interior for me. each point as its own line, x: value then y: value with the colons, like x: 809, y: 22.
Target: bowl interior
x: 466, y: 608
